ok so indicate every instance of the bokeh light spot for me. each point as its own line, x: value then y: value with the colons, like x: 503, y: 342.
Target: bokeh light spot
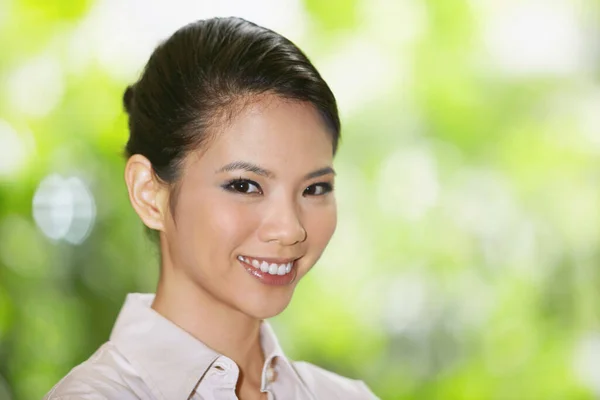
x: 37, y: 87
x: 64, y: 208
x: 408, y: 184
x: 13, y: 150
x: 587, y: 362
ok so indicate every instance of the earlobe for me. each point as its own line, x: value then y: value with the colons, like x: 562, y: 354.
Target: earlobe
x: 147, y: 195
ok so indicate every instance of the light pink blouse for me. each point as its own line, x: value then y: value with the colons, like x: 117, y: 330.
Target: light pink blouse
x: 149, y: 357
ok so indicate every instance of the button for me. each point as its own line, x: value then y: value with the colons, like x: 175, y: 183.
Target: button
x: 271, y: 371
x: 224, y: 364
x: 223, y: 373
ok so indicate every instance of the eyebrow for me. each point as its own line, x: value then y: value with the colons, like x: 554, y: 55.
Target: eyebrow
x: 246, y: 166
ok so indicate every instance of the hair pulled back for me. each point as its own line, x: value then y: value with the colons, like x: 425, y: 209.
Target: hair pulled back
x: 202, y: 74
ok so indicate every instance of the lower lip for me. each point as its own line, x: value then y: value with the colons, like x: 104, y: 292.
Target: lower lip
x: 268, y: 279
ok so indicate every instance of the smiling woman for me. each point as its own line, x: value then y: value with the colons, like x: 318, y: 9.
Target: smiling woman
x: 232, y: 139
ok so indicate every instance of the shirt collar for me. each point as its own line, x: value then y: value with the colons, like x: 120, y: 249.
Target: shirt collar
x: 272, y: 351
x: 170, y: 360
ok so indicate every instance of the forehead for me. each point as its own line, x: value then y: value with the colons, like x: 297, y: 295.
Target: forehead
x: 273, y: 132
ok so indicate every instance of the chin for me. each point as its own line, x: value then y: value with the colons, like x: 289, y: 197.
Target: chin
x: 264, y: 308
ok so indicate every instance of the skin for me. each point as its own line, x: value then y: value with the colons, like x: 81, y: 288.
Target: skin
x: 203, y: 288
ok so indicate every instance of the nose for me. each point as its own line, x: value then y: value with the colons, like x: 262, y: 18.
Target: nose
x: 282, y: 224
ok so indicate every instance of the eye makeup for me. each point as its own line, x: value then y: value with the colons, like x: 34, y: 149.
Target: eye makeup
x: 247, y: 186
x: 318, y: 189
x: 242, y: 186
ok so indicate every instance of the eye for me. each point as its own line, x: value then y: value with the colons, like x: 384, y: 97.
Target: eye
x: 318, y: 189
x: 244, y: 186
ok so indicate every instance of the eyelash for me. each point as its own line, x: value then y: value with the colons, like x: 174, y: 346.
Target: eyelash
x: 230, y: 186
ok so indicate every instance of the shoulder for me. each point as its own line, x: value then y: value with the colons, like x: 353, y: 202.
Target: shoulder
x: 105, y: 375
x: 328, y: 385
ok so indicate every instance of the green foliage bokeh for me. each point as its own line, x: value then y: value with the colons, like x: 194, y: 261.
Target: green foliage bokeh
x: 465, y: 261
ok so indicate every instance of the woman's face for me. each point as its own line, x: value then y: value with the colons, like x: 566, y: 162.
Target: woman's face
x: 255, y: 210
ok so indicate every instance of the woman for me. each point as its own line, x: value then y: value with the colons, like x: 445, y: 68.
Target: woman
x: 232, y: 138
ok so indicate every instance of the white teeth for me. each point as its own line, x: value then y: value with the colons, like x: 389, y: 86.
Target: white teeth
x: 273, y: 269
x: 264, y: 267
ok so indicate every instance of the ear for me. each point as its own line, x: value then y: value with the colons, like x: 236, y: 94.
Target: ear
x: 149, y: 196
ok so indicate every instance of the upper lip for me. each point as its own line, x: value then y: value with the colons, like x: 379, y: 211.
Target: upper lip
x: 272, y: 260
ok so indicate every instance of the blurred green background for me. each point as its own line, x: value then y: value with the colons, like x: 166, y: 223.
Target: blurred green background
x: 465, y: 264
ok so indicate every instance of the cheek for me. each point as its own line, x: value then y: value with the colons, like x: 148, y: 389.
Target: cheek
x: 216, y: 222
x: 321, y: 226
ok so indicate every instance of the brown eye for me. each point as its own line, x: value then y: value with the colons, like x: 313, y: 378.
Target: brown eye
x: 244, y: 186
x: 318, y: 189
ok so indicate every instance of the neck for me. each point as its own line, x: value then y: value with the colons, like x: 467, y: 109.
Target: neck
x: 216, y: 324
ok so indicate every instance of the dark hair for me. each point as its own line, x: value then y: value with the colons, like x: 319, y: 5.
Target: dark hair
x: 204, y: 73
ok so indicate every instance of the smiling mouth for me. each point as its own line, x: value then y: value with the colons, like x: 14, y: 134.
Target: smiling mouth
x: 271, y: 268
